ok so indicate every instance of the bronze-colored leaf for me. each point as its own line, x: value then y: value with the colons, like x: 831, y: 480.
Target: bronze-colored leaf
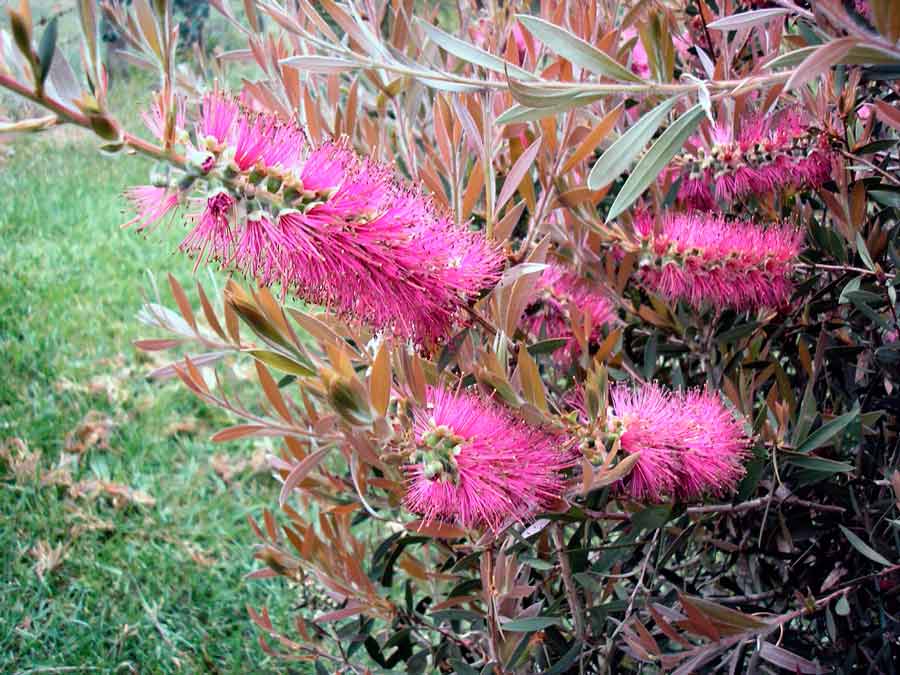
x: 380, y: 380
x: 299, y: 472
x: 184, y: 305
x: 272, y: 392
x: 530, y: 377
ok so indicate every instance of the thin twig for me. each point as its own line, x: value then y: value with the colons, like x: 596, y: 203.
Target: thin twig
x: 882, y: 172
x: 845, y: 269
x: 762, y: 502
x: 569, y: 583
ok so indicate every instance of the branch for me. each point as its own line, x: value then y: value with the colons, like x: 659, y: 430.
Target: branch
x: 762, y: 502
x: 569, y: 583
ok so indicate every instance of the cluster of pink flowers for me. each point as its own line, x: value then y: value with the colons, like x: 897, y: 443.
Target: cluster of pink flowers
x: 550, y: 314
x: 704, y: 258
x: 768, y: 155
x: 479, y: 466
x: 329, y: 226
x: 690, y: 445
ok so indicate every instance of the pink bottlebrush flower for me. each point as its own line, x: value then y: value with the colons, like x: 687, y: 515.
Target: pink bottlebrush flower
x: 640, y: 64
x: 331, y: 227
x: 218, y: 112
x: 771, y: 153
x: 703, y: 258
x: 151, y: 203
x: 404, y: 268
x: 548, y: 315
x: 689, y: 443
x: 155, y: 120
x: 715, y: 447
x: 266, y: 140
x: 479, y: 466
x: 648, y: 421
x: 380, y: 251
x: 214, y: 235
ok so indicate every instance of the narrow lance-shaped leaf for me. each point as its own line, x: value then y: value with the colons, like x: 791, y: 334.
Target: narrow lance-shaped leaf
x: 576, y: 50
x: 523, y: 113
x: 858, y: 55
x: 538, y: 97
x: 650, y: 165
x: 619, y: 156
x: 471, y: 53
x: 530, y: 377
x: 820, y: 61
x: 864, y: 548
x: 826, y: 432
x: 593, y: 139
x: 746, y: 19
x: 47, y: 49
x: 530, y: 624
x: 320, y: 64
x: 517, y: 173
x: 380, y: 380
x: 299, y: 472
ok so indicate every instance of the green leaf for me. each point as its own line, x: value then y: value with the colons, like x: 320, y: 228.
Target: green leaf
x: 538, y: 564
x: 538, y: 97
x: 460, y: 667
x: 523, y: 113
x: 280, y: 362
x: 806, y: 415
x: 455, y: 615
x: 651, y: 518
x: 546, y: 346
x: 857, y: 56
x: 826, y: 432
x: 820, y: 61
x: 47, y: 49
x: 886, y: 197
x: 650, y: 353
x: 842, y: 608
x: 530, y: 624
x: 864, y: 548
x: 471, y: 53
x: 619, y: 156
x: 852, y: 286
x: 820, y: 464
x: 576, y: 50
x: 745, y: 19
x: 650, y: 165
x: 863, y: 251
x: 737, y: 332
x: 566, y: 660
x: 313, y: 63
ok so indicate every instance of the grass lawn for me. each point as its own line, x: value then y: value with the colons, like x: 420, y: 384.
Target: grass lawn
x: 92, y: 583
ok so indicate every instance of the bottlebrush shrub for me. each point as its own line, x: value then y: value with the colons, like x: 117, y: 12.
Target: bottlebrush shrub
x: 596, y: 366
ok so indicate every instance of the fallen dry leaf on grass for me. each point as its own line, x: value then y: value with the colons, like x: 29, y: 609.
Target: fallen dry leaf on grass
x: 198, y: 555
x: 47, y: 558
x: 188, y: 425
x: 227, y: 467
x: 121, y: 495
x: 57, y: 476
x: 61, y: 474
x: 22, y: 461
x: 86, y: 522
x: 92, y: 432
